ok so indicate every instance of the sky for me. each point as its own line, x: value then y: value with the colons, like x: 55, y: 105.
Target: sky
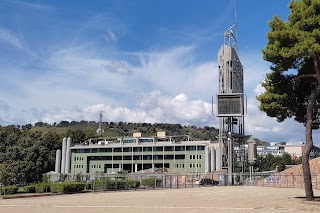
x: 138, y: 61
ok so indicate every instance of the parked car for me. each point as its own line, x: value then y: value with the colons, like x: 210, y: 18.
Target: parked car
x: 207, y: 182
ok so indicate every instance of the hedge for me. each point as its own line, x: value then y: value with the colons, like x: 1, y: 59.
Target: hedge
x: 67, y: 187
x: 42, y: 187
x: 8, y: 190
x: 118, y: 184
x: 29, y: 189
x: 151, y: 182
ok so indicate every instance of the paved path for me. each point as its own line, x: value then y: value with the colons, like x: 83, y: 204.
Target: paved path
x: 202, y: 199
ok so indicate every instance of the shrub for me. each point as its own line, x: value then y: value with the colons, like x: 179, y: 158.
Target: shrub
x: 151, y: 182
x: 57, y: 188
x: 42, y: 187
x: 9, y: 190
x: 73, y: 187
x: 133, y: 183
x: 88, y: 186
x: 67, y: 187
x: 29, y: 189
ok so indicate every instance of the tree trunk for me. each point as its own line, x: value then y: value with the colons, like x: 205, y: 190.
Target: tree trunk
x: 309, y: 141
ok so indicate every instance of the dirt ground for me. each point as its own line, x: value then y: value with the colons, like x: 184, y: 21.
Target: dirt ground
x: 202, y: 199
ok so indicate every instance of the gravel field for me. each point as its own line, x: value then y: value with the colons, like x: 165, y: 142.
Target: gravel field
x: 202, y: 199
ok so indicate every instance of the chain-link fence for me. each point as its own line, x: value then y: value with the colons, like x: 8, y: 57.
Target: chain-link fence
x: 138, y: 181
x: 280, y: 180
x: 111, y: 182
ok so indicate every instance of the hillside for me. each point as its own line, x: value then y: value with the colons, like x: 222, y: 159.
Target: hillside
x: 121, y: 129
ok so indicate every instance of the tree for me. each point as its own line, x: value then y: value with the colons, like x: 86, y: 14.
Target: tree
x: 292, y: 87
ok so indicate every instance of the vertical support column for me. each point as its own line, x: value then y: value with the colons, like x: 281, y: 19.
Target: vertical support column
x: 213, y: 159
x: 112, y: 149
x: 142, y: 158
x: 162, y: 157
x: 174, y: 158
x: 206, y: 160
x: 230, y: 161
x: 218, y: 158
x: 68, y: 156
x: 63, y: 155
x: 132, y: 160
x: 152, y: 158
x: 57, y: 168
x: 196, y: 159
x: 121, y: 159
x: 185, y: 158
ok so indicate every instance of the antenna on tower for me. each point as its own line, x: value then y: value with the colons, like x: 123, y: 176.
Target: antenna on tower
x: 100, y: 131
x: 236, y: 24
x: 231, y: 34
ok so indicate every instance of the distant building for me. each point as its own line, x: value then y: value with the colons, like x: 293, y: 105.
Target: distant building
x: 294, y: 149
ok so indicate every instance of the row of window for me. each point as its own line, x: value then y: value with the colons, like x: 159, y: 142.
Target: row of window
x: 195, y: 156
x: 78, y: 158
x: 140, y: 140
x: 140, y: 149
x: 180, y: 165
x: 195, y: 165
x: 78, y: 166
x: 139, y: 157
x: 94, y: 166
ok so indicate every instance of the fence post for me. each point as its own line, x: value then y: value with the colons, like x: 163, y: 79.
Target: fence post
x: 94, y: 183
x: 316, y: 177
x: 177, y: 181
x: 192, y: 181
x: 293, y: 181
x: 301, y: 180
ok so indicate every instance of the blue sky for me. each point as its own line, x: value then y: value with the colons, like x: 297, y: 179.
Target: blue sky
x: 138, y: 61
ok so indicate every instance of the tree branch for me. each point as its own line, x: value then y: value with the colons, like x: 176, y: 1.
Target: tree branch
x: 296, y: 80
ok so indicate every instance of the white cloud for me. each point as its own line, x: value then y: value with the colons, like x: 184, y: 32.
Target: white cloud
x: 173, y: 71
x: 29, y: 5
x: 178, y: 109
x: 259, y: 90
x: 9, y: 38
x: 120, y: 67
x: 166, y: 86
x: 110, y: 36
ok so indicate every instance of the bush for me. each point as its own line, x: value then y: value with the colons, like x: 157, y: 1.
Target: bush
x: 109, y: 184
x: 57, y: 188
x: 151, y: 182
x: 9, y: 190
x: 133, y: 183
x: 67, y: 187
x: 42, y: 187
x: 29, y: 189
x: 88, y: 186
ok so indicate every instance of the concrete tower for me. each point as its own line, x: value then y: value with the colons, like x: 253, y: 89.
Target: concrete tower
x: 63, y: 155
x: 230, y: 103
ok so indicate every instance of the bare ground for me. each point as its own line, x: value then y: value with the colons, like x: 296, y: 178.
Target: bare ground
x: 202, y: 199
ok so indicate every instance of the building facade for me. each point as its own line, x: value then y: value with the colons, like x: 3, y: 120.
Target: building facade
x: 178, y: 154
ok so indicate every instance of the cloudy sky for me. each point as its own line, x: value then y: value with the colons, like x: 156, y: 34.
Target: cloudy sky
x: 138, y: 61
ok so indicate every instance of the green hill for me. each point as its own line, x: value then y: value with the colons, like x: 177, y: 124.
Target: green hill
x: 122, y: 129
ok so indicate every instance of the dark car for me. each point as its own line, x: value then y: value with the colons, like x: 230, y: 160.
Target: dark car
x: 207, y: 182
